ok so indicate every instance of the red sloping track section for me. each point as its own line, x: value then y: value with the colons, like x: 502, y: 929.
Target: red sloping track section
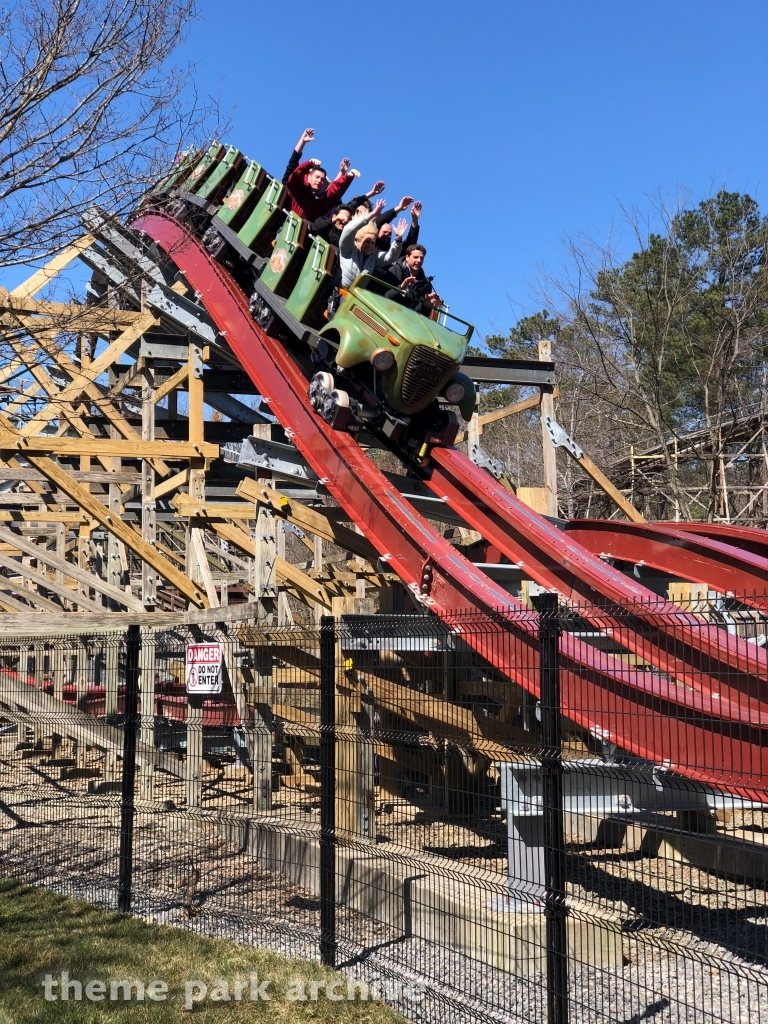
x: 722, y: 566
x: 719, y: 742
x: 697, y: 654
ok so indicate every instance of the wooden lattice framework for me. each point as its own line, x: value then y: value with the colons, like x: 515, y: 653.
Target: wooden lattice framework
x: 119, y: 488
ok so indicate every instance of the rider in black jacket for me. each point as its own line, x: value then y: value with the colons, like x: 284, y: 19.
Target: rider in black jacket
x: 331, y: 226
x: 408, y: 276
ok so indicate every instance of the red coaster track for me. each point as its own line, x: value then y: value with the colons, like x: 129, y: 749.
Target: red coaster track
x: 702, y: 710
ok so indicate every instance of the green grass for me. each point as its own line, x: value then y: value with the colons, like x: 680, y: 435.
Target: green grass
x: 42, y: 933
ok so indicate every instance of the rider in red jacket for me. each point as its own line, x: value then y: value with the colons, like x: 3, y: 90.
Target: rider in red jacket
x: 307, y: 181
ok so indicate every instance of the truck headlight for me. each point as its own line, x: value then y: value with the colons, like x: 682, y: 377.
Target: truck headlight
x: 382, y: 359
x: 455, y: 392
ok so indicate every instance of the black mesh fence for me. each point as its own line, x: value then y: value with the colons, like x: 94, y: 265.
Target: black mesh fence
x: 557, y: 815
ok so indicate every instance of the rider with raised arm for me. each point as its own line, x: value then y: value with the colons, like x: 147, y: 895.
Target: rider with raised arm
x: 311, y: 195
x: 364, y: 200
x: 385, y: 228
x: 357, y: 246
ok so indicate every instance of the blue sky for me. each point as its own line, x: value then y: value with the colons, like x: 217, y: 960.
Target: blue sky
x: 517, y: 124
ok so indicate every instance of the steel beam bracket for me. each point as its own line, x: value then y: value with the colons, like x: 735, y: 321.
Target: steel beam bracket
x: 561, y: 439
x: 481, y: 458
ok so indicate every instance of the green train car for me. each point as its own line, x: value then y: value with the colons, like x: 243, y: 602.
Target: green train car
x: 375, y: 363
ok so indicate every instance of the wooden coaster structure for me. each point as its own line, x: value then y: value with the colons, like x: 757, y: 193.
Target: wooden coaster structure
x: 118, y: 493
x: 122, y: 502
x: 124, y: 506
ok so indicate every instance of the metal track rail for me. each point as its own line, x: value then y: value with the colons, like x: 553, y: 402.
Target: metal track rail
x: 637, y: 710
x: 743, y: 537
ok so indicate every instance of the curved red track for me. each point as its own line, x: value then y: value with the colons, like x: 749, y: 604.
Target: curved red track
x: 718, y: 737
x: 718, y: 562
x: 704, y: 656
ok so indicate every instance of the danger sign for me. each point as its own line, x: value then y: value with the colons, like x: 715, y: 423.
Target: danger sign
x: 203, y: 668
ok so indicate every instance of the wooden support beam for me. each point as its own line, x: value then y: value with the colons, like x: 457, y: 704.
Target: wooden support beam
x: 317, y: 565
x: 195, y: 430
x: 71, y: 315
x: 9, y: 370
x: 305, y: 584
x: 332, y: 574
x: 66, y: 413
x: 46, y: 502
x: 95, y: 625
x: 80, y: 575
x: 24, y: 397
x: 173, y: 483
x: 283, y: 569
x: 128, y: 379
x: 12, y: 605
x: 61, y: 551
x: 98, y: 446
x: 205, y: 569
x: 21, y: 701
x: 233, y: 533
x: 309, y: 725
x: 473, y: 433
x: 508, y: 410
x: 170, y: 552
x: 548, y: 449
x: 486, y: 735
x: 512, y: 410
x: 59, y: 476
x: 83, y: 382
x: 17, y: 586
x: 64, y: 316
x: 47, y: 273
x: 114, y: 561
x: 94, y: 476
x: 263, y: 560
x: 307, y: 518
x: 148, y: 515
x: 171, y: 384
x: 82, y: 377
x: 39, y: 578
x: 84, y: 533
x: 240, y: 511
x: 284, y: 614
x: 195, y: 415
x: 197, y: 492
x: 52, y: 516
x: 613, y: 492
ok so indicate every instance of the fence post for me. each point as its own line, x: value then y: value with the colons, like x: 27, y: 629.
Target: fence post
x: 328, y: 790
x: 130, y: 729
x: 555, y: 908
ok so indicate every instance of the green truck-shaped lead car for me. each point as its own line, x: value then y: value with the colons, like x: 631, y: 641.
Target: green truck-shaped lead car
x: 415, y: 357
x: 384, y: 363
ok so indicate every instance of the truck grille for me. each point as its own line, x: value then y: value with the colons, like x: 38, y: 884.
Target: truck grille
x: 369, y: 321
x: 424, y: 372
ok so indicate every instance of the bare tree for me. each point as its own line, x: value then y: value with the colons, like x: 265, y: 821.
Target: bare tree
x: 652, y: 348
x: 91, y: 111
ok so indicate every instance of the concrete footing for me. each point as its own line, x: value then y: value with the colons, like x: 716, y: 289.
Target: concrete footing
x: 740, y: 854
x: 427, y: 898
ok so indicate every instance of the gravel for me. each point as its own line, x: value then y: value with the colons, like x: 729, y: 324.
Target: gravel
x: 54, y: 835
